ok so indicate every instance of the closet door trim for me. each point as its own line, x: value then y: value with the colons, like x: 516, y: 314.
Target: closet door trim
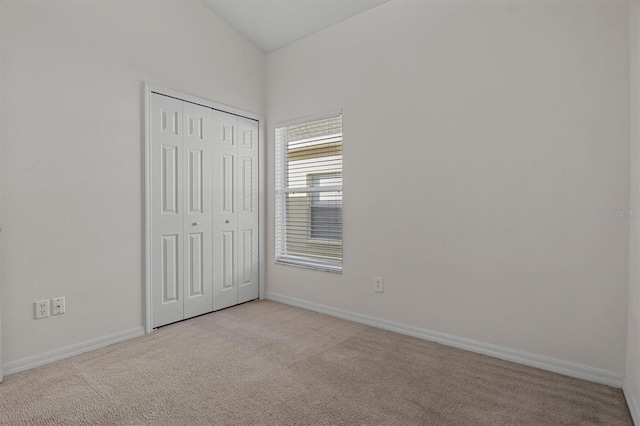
x: 150, y: 88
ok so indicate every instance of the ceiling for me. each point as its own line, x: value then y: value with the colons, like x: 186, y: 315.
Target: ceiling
x: 271, y: 24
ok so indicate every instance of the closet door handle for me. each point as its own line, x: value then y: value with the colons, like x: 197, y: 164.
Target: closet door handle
x: 196, y: 223
x: 226, y: 221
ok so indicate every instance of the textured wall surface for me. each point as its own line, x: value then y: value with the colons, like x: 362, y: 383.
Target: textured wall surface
x: 72, y: 156
x: 486, y: 170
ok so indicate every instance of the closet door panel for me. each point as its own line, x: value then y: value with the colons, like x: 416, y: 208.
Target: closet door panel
x: 198, y: 209
x: 166, y: 210
x: 225, y: 208
x: 247, y: 190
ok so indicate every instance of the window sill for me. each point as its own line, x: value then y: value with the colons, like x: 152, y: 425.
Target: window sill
x: 310, y: 264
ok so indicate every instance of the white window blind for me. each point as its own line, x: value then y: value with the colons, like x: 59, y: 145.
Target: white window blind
x: 309, y: 193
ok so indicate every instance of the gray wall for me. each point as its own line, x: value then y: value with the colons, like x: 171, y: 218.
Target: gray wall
x: 633, y: 332
x: 483, y: 143
x: 72, y: 167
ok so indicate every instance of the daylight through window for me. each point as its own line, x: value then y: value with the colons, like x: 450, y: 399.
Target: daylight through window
x: 309, y: 193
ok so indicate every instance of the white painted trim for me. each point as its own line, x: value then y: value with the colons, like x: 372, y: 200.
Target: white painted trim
x: 632, y: 402
x: 262, y: 198
x: 148, y: 316
x: 58, y: 354
x: 312, y: 117
x: 150, y: 88
x: 544, y: 363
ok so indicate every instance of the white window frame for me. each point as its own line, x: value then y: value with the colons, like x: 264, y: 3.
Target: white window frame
x: 281, y: 255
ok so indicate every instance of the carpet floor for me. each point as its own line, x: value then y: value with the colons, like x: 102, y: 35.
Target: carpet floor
x: 265, y: 363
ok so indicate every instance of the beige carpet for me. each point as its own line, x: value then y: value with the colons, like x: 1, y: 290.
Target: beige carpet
x: 268, y: 363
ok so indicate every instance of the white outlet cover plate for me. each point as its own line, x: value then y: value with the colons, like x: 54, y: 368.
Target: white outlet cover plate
x: 378, y: 284
x: 57, y: 306
x: 42, y: 309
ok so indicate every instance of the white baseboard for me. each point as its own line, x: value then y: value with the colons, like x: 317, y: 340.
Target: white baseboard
x: 58, y: 354
x: 519, y: 357
x: 632, y: 402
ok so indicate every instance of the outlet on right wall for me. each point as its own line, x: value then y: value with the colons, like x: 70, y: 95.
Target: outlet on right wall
x: 486, y: 170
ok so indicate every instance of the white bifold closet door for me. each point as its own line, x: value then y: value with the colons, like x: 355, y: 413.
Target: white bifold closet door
x: 204, y: 199
x: 235, y: 204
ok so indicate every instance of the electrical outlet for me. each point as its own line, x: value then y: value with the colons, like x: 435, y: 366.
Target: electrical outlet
x: 42, y: 309
x: 57, y: 306
x: 378, y: 285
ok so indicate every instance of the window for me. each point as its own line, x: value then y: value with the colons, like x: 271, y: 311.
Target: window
x: 326, y: 208
x: 309, y: 193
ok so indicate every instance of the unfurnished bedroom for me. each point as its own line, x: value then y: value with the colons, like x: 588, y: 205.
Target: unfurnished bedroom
x: 320, y: 212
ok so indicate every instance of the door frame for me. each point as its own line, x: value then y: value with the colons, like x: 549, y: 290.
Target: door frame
x: 150, y: 88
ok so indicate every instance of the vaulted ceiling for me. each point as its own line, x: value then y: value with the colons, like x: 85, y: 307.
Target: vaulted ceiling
x: 271, y: 24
